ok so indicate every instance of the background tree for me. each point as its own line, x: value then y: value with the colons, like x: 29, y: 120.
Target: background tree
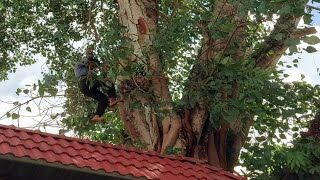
x: 196, y: 76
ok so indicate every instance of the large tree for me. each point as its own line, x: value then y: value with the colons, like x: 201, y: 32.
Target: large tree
x: 195, y: 75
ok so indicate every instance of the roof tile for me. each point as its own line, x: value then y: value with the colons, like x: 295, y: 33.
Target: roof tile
x: 71, y: 151
x: 106, y: 157
x: 50, y: 157
x: 75, y: 145
x: 5, y: 148
x: 65, y: 159
x: 19, y: 151
x: 2, y: 138
x: 36, y: 138
x: 63, y: 143
x: 28, y: 143
x: 9, y: 133
x: 85, y: 154
x: 44, y: 146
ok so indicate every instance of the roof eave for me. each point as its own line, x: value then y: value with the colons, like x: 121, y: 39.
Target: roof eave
x: 66, y: 167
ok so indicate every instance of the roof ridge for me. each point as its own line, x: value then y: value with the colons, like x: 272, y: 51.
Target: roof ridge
x: 109, y: 145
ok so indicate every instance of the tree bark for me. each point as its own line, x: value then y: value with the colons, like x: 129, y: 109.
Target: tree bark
x: 140, y: 17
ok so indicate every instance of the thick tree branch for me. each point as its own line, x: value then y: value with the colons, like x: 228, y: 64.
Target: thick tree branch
x: 213, y: 156
x: 238, y: 141
x: 314, y: 127
x: 215, y: 49
x: 303, y: 32
x: 272, y: 49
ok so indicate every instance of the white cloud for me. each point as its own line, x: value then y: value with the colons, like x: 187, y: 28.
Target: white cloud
x: 23, y: 75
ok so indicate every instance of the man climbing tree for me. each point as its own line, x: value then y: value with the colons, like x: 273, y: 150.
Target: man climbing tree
x: 92, y: 87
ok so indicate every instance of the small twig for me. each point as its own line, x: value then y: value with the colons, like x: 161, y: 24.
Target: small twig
x: 19, y: 117
x: 26, y: 102
x: 92, y: 19
x: 220, y: 11
x: 313, y: 7
x: 138, y: 85
x: 230, y: 38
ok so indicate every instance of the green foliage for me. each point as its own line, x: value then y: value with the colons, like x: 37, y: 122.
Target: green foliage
x: 110, y: 131
x: 248, y: 81
x: 172, y: 150
x: 301, y: 160
x: 278, y: 120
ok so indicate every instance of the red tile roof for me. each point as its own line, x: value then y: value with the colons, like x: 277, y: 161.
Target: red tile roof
x: 125, y: 161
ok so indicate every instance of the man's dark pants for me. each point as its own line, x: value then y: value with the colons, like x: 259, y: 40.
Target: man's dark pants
x: 92, y: 90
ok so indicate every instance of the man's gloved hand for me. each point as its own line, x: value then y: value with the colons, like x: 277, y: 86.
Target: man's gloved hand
x: 92, y: 66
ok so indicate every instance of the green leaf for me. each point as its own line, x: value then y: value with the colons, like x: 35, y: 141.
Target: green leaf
x: 41, y: 92
x: 312, y: 40
x: 311, y: 49
x: 293, y: 49
x: 227, y: 27
x: 261, y: 138
x: 279, y: 36
x: 53, y: 116
x: 53, y: 92
x: 15, y: 116
x: 307, y: 19
x: 26, y: 91
x: 282, y: 136
x: 293, y: 42
x: 63, y: 131
x: 18, y: 91
x: 295, y: 129
x: 271, y: 52
x: 28, y: 109
x: 225, y: 60
x: 8, y: 114
x: 295, y: 61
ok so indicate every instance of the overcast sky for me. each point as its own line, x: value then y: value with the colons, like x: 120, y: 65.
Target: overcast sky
x: 30, y: 74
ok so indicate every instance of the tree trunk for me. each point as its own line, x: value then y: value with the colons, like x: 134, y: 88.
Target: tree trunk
x: 140, y: 19
x: 153, y: 122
